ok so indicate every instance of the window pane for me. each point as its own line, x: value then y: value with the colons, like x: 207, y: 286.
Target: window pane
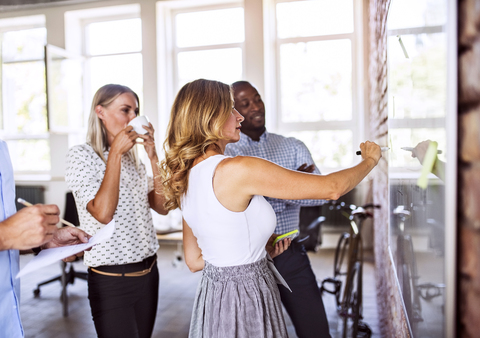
x: 210, y: 27
x: 309, y: 18
x: 316, y: 81
x: 27, y: 44
x: 126, y: 70
x: 329, y: 148
x: 405, y: 137
x: 111, y: 37
x: 417, y: 13
x: 417, y: 85
x: 30, y: 155
x: 223, y: 65
x: 65, y: 78
x: 25, y: 100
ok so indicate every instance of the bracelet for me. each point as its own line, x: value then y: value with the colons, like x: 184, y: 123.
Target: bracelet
x: 37, y: 250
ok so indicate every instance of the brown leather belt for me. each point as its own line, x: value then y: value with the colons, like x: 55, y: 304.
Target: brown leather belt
x: 128, y: 274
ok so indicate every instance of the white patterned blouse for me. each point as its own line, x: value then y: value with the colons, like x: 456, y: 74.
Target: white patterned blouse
x: 134, y: 238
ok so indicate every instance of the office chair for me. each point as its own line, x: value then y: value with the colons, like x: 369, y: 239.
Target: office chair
x: 311, y: 234
x: 67, y: 277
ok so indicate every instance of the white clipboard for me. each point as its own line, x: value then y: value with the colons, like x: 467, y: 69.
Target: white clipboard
x: 49, y: 256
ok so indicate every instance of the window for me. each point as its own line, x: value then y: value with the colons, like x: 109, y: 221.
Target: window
x: 23, y: 111
x: 316, y: 48
x: 417, y: 79
x: 113, y: 50
x: 213, y: 51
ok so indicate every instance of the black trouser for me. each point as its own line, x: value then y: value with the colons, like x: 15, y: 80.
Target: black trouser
x: 124, y: 306
x: 304, y: 304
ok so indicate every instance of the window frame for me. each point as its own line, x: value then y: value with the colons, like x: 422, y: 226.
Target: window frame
x: 84, y: 22
x: 15, y: 136
x: 357, y: 123
x: 427, y: 122
x: 416, y: 123
x: 167, y: 73
x: 177, y: 50
x: 18, y: 24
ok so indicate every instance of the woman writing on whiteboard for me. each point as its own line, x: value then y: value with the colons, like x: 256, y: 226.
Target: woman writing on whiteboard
x: 226, y: 220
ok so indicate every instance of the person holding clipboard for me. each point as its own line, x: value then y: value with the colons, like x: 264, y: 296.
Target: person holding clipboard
x: 27, y: 231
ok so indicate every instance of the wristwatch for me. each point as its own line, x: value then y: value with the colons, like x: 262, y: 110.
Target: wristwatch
x: 37, y: 250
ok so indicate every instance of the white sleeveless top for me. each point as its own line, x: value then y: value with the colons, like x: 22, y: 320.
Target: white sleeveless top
x: 226, y: 238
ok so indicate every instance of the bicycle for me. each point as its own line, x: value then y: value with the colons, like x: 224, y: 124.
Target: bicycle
x: 407, y: 273
x: 348, y: 271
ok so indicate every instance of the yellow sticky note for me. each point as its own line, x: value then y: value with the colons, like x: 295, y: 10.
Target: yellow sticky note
x: 428, y: 162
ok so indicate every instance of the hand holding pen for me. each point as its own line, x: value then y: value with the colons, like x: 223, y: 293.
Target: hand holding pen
x: 28, y: 204
x: 29, y: 227
x: 36, y: 227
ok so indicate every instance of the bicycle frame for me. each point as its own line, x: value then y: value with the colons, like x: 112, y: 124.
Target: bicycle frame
x: 350, y: 306
x: 408, y: 276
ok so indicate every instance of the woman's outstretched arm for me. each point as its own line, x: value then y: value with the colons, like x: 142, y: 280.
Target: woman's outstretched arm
x: 237, y: 179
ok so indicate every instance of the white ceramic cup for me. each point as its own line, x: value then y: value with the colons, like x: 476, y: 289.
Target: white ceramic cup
x: 137, y: 124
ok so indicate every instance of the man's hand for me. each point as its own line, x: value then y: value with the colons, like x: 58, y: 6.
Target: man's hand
x: 30, y: 227
x: 279, y: 247
x: 306, y: 169
x: 68, y: 236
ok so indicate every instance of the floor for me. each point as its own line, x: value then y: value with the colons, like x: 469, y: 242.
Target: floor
x: 42, y: 316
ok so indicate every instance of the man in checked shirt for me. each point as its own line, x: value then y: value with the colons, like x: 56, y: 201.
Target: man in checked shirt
x: 304, y: 304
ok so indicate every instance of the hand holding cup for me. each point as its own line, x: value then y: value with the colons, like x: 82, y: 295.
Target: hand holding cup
x: 138, y: 123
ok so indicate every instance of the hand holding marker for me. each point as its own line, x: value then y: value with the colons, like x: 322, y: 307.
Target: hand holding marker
x: 387, y: 148
x: 383, y: 149
x: 411, y: 149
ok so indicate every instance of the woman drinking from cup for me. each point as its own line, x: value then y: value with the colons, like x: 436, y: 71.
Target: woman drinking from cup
x: 109, y: 182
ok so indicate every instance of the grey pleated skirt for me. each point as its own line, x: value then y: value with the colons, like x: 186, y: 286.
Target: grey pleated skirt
x: 238, y: 301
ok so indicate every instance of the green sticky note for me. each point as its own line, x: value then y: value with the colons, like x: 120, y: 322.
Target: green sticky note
x: 428, y: 162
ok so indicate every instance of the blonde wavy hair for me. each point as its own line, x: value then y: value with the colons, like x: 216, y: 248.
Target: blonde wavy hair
x: 96, y: 133
x: 198, y: 115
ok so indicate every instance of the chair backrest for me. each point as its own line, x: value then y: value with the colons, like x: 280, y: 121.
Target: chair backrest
x: 312, y: 234
x: 71, y: 214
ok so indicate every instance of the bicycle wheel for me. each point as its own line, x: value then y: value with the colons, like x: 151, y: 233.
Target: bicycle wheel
x: 353, y: 302
x: 340, y: 265
x: 408, y: 279
x: 406, y: 290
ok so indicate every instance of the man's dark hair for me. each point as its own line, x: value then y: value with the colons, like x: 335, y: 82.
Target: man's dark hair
x: 237, y: 84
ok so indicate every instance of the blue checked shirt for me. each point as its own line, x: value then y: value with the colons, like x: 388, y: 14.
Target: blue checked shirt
x: 287, y: 152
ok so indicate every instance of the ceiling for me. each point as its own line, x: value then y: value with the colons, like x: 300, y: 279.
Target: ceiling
x: 25, y: 4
